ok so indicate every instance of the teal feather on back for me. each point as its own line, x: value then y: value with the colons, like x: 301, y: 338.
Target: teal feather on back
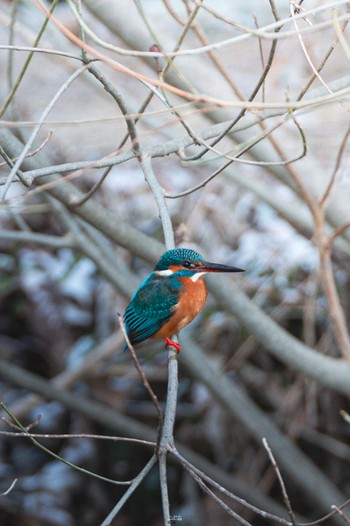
x: 151, y: 307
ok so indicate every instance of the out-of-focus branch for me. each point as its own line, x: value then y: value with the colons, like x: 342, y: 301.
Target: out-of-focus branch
x: 117, y: 422
x: 26, y: 433
x: 237, y: 403
x: 136, y: 482
x: 37, y: 239
x: 248, y: 32
x: 276, y: 340
x: 95, y: 410
x: 330, y: 372
x: 200, y: 98
x: 93, y: 213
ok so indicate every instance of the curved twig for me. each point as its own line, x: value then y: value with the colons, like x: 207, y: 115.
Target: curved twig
x: 26, y: 148
x: 281, y: 482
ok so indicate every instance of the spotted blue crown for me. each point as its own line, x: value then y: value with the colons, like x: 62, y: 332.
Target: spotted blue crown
x: 176, y: 257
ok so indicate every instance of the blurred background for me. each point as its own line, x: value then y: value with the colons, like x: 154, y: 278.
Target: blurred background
x: 264, y: 186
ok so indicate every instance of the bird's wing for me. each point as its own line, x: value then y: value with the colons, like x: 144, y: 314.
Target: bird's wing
x: 151, y: 307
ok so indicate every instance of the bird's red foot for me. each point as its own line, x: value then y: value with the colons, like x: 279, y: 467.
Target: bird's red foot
x: 171, y: 343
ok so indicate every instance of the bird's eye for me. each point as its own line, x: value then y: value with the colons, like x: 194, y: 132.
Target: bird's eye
x: 188, y: 264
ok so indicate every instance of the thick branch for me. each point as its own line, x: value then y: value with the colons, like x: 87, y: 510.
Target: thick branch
x: 110, y: 418
x: 305, y: 474
x: 330, y: 372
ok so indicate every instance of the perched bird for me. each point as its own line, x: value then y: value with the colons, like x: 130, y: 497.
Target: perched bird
x: 170, y: 297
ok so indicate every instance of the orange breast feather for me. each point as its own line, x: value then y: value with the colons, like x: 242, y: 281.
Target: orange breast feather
x: 191, y: 302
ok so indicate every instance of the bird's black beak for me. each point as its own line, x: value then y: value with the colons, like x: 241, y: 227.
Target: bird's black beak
x: 216, y: 267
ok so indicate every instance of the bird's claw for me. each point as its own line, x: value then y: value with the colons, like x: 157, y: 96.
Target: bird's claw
x: 171, y: 343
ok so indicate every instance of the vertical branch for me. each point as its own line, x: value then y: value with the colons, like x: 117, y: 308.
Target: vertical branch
x: 325, y: 198
x: 164, y: 488
x: 10, y: 65
x: 317, y: 209
x: 324, y: 243
x: 167, y: 437
x: 158, y: 192
x: 325, y: 246
x: 335, y: 309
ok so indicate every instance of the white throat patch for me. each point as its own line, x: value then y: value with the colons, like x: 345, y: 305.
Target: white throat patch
x: 196, y: 276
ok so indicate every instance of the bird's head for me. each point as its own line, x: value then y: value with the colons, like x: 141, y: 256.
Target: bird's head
x: 185, y: 259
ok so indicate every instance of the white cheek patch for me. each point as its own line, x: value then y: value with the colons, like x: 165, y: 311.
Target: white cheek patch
x: 196, y: 276
x: 166, y: 272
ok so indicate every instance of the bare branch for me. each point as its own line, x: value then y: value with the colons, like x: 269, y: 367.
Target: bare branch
x: 9, y: 489
x: 144, y: 379
x: 263, y: 32
x: 135, y: 483
x: 58, y: 457
x: 189, y: 96
x: 73, y: 435
x: 281, y: 482
x: 29, y: 143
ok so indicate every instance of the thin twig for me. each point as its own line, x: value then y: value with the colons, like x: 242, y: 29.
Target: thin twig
x: 308, y: 58
x: 182, y: 93
x: 261, y: 53
x: 266, y: 133
x: 326, y: 517
x: 252, y: 96
x: 34, y: 152
x: 75, y: 435
x: 267, y: 32
x: 58, y: 457
x: 340, y: 34
x: 9, y: 489
x: 322, y: 64
x: 211, y: 54
x: 135, y: 483
x: 281, y: 482
x: 27, y: 61
x: 110, y: 88
x: 143, y: 377
x: 223, y: 490
x: 40, y: 50
x: 34, y: 133
x: 215, y: 498
x: 324, y: 199
x: 342, y: 515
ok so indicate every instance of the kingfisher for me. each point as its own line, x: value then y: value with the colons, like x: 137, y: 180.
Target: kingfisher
x: 170, y: 297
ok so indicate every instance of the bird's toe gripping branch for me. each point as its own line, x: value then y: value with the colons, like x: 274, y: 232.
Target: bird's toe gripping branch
x: 171, y: 343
